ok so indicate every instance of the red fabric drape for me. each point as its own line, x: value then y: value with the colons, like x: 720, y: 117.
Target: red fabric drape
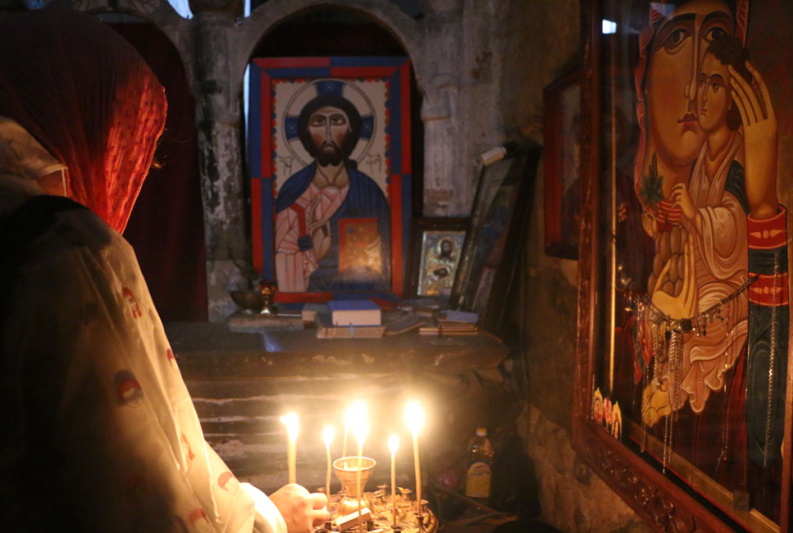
x: 95, y: 104
x: 166, y: 228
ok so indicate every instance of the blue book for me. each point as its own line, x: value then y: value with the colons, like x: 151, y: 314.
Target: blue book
x: 355, y: 313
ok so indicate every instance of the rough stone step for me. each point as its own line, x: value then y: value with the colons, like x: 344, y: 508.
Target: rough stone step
x: 321, y: 387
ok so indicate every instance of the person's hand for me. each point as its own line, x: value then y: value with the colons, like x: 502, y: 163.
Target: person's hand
x: 302, y: 511
x: 760, y: 142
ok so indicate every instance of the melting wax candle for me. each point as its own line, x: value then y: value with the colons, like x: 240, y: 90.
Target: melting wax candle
x: 292, y: 429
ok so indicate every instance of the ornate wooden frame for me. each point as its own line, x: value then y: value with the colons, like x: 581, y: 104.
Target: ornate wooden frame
x: 659, y: 498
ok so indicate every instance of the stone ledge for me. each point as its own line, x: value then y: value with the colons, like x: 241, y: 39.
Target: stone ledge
x: 213, y: 350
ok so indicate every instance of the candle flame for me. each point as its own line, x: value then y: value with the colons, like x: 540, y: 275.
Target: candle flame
x: 354, y: 413
x: 327, y: 435
x: 361, y: 430
x: 292, y: 426
x: 414, y: 417
x: 393, y: 444
x: 355, y: 419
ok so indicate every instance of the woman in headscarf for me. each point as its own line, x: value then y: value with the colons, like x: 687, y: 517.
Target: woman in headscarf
x: 97, y: 429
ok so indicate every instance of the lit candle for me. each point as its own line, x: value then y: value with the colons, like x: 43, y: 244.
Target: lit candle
x: 327, y: 436
x: 393, y: 446
x: 361, y: 429
x: 353, y: 413
x: 292, y: 429
x: 414, y: 417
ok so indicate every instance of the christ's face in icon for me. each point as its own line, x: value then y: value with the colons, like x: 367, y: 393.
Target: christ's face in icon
x: 446, y: 248
x: 329, y: 128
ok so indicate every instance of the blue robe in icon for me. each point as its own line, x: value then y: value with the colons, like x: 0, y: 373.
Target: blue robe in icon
x: 360, y: 236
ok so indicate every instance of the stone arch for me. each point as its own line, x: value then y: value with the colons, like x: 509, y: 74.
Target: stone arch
x: 160, y: 13
x: 270, y: 14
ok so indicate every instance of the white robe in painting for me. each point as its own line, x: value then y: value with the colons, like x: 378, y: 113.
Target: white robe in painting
x: 721, y: 263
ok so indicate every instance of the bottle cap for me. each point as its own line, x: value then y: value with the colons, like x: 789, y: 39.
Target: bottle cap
x: 481, y: 432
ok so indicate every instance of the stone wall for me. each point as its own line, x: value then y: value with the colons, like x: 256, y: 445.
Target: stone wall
x: 571, y: 496
x: 544, y: 43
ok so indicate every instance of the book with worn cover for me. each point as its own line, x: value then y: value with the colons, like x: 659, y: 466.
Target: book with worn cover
x: 327, y: 330
x: 311, y: 309
x: 449, y: 328
x: 458, y: 317
x: 355, y: 313
x: 397, y: 322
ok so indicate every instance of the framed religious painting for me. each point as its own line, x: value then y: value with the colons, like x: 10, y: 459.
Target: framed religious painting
x: 562, y: 190
x: 683, y: 396
x: 330, y: 165
x: 436, y: 245
x: 493, y: 241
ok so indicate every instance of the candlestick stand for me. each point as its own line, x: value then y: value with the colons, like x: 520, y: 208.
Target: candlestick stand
x: 377, y: 508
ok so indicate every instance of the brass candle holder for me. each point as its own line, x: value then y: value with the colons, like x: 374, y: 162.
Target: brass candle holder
x: 379, y: 510
x: 346, y: 470
x: 257, y: 302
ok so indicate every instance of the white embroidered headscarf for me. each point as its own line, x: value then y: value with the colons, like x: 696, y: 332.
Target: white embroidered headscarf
x: 22, y: 155
x: 22, y: 160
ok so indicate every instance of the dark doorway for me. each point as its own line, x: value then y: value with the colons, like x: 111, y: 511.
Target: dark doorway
x: 166, y: 228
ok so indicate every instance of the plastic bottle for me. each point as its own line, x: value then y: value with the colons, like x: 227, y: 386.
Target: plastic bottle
x: 480, y: 463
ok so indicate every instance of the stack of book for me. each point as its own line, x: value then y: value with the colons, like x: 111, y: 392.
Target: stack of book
x: 426, y: 307
x: 350, y: 319
x: 452, y: 323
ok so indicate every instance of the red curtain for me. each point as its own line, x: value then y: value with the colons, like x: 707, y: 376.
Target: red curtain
x: 166, y: 227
